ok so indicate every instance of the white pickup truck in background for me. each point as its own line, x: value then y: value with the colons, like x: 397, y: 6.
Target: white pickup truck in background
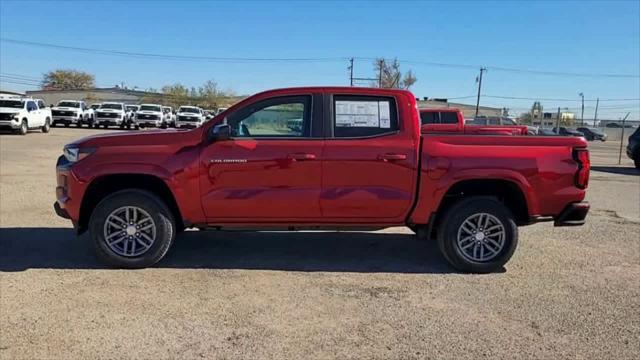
x: 69, y: 112
x: 149, y: 115
x: 189, y: 117
x: 22, y: 114
x: 111, y: 114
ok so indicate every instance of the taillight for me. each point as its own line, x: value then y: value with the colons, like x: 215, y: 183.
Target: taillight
x: 581, y: 156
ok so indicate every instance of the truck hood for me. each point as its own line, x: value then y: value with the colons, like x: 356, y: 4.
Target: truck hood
x: 148, y: 112
x: 64, y: 108
x: 109, y: 110
x: 142, y: 138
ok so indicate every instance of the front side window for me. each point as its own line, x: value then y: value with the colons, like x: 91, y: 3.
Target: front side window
x: 358, y: 116
x: 31, y: 106
x: 277, y: 117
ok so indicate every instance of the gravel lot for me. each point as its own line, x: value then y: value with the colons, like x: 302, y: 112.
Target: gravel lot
x: 566, y: 293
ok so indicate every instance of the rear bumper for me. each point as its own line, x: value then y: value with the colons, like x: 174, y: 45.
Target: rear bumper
x: 573, y: 215
x: 60, y: 211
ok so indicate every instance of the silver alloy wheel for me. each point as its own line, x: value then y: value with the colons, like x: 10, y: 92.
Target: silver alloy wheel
x: 24, y: 127
x: 481, y: 237
x: 129, y: 231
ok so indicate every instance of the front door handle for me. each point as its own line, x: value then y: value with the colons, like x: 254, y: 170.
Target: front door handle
x: 301, y: 156
x: 392, y: 157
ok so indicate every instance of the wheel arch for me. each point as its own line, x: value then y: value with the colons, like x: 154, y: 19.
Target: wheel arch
x: 105, y: 185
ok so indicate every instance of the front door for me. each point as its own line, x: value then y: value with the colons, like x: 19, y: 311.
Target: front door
x: 270, y: 170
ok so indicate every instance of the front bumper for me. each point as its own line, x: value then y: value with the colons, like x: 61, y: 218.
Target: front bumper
x: 182, y: 125
x: 9, y: 124
x: 156, y: 123
x: 66, y: 119
x: 573, y: 214
x: 108, y: 121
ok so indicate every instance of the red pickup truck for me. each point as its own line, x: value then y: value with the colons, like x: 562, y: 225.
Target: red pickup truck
x: 356, y: 158
x: 447, y: 120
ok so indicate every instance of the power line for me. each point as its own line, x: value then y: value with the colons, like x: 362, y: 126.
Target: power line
x: 294, y: 59
x: 166, y: 56
x: 552, y: 99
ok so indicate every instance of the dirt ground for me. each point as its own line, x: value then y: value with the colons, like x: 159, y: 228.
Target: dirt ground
x: 566, y: 293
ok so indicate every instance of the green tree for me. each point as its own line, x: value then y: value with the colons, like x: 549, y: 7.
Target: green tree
x: 67, y: 79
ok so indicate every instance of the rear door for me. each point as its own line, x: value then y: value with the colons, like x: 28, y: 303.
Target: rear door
x: 369, y: 160
x: 269, y: 171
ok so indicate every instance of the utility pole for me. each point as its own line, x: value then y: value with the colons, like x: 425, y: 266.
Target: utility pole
x: 582, y: 116
x: 380, y: 73
x: 482, y: 69
x: 558, y: 120
x: 622, y: 139
x: 351, y: 72
x: 595, y: 116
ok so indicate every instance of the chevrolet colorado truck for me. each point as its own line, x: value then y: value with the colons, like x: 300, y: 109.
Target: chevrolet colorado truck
x: 21, y: 114
x: 359, y: 160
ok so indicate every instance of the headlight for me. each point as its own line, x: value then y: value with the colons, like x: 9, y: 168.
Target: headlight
x: 15, y: 116
x: 74, y: 154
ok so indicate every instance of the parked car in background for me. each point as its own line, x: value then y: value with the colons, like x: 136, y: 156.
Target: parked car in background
x: 546, y: 132
x: 209, y: 114
x: 149, y: 115
x: 23, y: 114
x: 69, y: 112
x: 189, y: 117
x: 221, y: 110
x: 565, y: 131
x: 168, y: 118
x: 362, y: 160
x: 111, y: 114
x: 592, y: 133
x: 633, y: 147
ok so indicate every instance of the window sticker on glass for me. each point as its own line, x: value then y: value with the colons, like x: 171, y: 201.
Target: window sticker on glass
x: 359, y: 114
x: 385, y: 115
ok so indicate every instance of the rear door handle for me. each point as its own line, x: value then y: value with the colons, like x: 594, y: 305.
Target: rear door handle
x: 392, y: 157
x: 301, y: 156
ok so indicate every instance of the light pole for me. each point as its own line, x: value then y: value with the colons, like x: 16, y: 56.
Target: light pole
x: 582, y: 115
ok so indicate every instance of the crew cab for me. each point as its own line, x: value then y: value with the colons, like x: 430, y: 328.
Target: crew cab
x: 111, y: 114
x: 360, y: 161
x: 149, y: 115
x: 22, y: 114
x: 189, y: 117
x: 452, y: 120
x: 69, y: 112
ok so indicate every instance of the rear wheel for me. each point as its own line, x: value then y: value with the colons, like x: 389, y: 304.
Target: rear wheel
x: 79, y: 123
x: 47, y: 125
x: 131, y: 229
x: 636, y: 161
x: 478, y: 235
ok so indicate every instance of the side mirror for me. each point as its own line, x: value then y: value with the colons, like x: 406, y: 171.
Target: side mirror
x: 221, y: 132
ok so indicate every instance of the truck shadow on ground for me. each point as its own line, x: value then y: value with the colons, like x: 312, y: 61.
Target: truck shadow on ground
x: 60, y: 248
x: 629, y: 170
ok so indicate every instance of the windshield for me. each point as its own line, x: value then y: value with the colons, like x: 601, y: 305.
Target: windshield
x: 149, y: 108
x: 69, y: 104
x: 132, y: 107
x: 16, y: 104
x: 111, y: 106
x: 189, y: 110
x: 95, y: 106
x: 166, y: 110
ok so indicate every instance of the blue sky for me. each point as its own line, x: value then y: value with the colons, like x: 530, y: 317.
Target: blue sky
x: 567, y: 37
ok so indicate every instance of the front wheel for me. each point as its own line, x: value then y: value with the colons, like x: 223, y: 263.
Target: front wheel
x: 47, y: 126
x: 132, y: 229
x: 24, y: 127
x: 478, y: 235
x: 636, y: 162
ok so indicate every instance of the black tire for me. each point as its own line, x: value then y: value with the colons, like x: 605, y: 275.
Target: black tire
x: 79, y: 123
x: 158, y: 211
x: 24, y: 127
x: 105, y: 126
x: 66, y: 124
x: 636, y: 162
x: 47, y: 126
x: 453, y: 220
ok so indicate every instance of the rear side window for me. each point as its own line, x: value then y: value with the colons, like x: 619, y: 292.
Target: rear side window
x: 448, y: 118
x: 361, y: 116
